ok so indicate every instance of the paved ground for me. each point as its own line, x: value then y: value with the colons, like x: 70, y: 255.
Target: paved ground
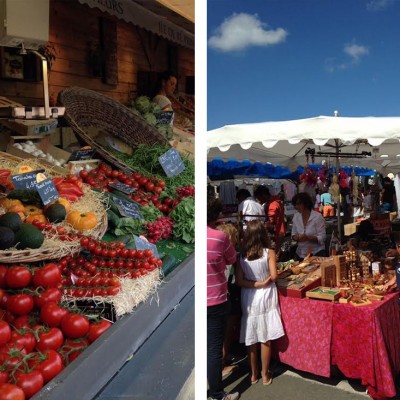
x: 292, y: 384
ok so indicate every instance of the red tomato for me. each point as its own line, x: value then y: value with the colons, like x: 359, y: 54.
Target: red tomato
x: 20, y: 304
x: 75, y: 326
x: 52, y: 314
x: 149, y: 186
x: 47, y: 276
x: 142, y: 181
x: 11, y: 355
x: 3, y: 273
x: 29, y: 382
x: 49, y: 339
x: 97, y: 329
x: 9, y: 391
x: 72, y: 348
x: 24, y: 321
x: 5, y: 332
x: 4, y: 376
x: 18, y: 277
x: 49, y: 364
x: 50, y: 294
x: 25, y: 338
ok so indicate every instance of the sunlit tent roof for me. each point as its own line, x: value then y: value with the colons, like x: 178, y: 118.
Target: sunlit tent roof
x: 367, y: 142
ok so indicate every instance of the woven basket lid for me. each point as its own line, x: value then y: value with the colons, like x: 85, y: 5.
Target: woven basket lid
x: 86, y: 108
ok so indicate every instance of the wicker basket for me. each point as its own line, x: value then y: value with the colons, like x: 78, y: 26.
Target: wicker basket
x: 53, y: 247
x: 88, y: 109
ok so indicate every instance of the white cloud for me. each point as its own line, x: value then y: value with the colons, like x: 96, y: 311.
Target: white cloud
x: 240, y: 31
x: 377, y: 5
x: 355, y: 51
x: 352, y: 50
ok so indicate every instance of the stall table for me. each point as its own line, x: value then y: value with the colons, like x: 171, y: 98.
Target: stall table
x: 363, y: 342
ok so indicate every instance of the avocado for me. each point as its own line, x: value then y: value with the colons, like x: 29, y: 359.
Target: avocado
x: 11, y: 220
x: 7, y: 238
x: 28, y: 237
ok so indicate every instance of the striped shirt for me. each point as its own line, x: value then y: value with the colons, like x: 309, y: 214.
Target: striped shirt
x: 220, y: 253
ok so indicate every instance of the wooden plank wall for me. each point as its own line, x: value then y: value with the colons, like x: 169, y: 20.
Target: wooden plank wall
x: 73, y: 29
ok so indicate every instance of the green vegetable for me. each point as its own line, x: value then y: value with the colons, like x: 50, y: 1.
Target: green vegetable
x: 168, y: 264
x: 150, y: 213
x: 150, y: 118
x: 131, y: 226
x: 113, y: 219
x: 142, y: 104
x: 183, y: 217
x: 145, y: 160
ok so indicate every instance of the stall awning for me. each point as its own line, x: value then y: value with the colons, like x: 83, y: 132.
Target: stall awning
x: 182, y: 7
x: 158, y: 21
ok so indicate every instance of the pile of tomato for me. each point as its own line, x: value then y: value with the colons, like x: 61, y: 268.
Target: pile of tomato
x: 39, y: 336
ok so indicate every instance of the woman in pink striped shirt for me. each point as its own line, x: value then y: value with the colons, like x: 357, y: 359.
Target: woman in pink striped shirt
x: 220, y: 253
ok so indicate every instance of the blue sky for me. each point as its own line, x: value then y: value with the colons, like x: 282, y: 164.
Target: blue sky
x: 270, y: 60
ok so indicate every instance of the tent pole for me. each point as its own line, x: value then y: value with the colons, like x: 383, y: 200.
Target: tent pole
x: 339, y: 219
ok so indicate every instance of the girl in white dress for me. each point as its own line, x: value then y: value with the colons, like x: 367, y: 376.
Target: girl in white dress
x: 261, y: 318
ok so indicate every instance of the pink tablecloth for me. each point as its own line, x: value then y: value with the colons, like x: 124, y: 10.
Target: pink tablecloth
x: 364, y: 342
x: 308, y: 328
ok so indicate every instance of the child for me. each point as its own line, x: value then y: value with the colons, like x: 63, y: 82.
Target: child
x: 234, y: 296
x: 261, y: 318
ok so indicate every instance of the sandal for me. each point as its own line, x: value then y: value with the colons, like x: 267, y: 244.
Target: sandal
x: 268, y: 381
x: 227, y: 370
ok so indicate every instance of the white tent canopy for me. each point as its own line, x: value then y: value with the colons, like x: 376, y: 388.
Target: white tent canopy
x: 285, y: 142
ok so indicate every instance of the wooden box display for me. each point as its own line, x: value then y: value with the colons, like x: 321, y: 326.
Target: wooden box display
x: 324, y: 293
x: 298, y: 290
x: 328, y: 272
x: 341, y: 269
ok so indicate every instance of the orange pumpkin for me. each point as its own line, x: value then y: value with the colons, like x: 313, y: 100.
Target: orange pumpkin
x: 33, y: 210
x: 82, y: 221
x: 7, y: 203
x: 63, y: 201
x: 36, y: 217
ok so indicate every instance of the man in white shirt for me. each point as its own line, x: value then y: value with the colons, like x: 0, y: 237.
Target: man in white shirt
x: 249, y: 208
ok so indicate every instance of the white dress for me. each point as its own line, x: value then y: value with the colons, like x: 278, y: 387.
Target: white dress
x: 261, y: 317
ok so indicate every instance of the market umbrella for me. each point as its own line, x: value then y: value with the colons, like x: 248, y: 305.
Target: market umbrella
x: 368, y: 141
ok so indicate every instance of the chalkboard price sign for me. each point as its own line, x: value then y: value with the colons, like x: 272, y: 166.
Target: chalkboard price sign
x: 128, y: 209
x: 172, y: 163
x: 143, y: 244
x: 80, y: 155
x: 26, y: 181
x: 164, y: 117
x: 47, y: 191
x: 122, y: 187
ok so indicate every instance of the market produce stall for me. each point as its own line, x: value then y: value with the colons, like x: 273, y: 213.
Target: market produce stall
x: 89, y: 244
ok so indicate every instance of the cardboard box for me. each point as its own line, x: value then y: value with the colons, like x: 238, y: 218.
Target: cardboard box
x: 41, y: 143
x: 298, y: 290
x: 350, y: 229
x: 31, y: 127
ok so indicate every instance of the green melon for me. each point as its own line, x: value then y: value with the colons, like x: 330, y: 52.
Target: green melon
x: 28, y: 237
x: 7, y: 238
x: 11, y: 220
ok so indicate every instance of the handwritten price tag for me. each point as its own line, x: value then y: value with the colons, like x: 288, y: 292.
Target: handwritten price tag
x: 122, y: 187
x: 172, y: 163
x: 47, y: 191
x: 128, y: 209
x: 143, y: 244
x: 26, y: 181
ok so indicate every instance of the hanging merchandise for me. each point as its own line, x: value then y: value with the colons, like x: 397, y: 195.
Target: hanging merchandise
x: 334, y: 189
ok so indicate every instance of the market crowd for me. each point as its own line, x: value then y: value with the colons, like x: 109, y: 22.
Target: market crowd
x: 242, y: 268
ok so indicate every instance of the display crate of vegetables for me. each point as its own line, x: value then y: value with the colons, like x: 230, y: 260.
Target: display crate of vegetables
x: 32, y: 231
